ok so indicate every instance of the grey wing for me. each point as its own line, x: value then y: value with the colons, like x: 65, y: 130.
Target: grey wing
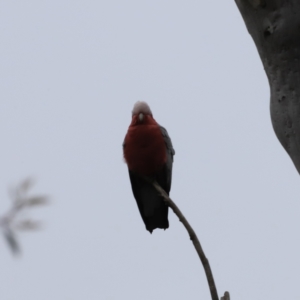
x: 168, y: 141
x: 167, y: 180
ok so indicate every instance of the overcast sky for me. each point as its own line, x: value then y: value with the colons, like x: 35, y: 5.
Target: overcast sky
x: 70, y: 73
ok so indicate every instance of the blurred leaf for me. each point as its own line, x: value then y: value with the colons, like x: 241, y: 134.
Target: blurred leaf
x: 28, y: 225
x: 20, y: 202
x: 26, y: 184
x: 37, y: 200
x: 18, y: 193
x: 11, y: 240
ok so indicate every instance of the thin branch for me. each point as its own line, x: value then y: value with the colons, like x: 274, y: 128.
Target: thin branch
x: 226, y: 296
x: 194, y: 239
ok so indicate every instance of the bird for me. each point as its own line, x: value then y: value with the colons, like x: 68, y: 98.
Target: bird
x: 148, y: 153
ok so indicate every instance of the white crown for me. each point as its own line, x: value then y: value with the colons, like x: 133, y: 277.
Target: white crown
x: 141, y: 107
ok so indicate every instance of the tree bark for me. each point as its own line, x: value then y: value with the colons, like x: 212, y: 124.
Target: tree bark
x: 275, y: 28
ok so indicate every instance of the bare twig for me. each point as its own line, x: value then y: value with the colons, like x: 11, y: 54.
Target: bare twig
x: 9, y: 222
x: 194, y: 239
x: 226, y: 296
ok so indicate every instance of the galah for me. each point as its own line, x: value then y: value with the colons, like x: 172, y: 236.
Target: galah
x: 148, y: 152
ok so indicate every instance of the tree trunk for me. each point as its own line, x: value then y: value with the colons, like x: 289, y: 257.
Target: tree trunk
x: 275, y: 28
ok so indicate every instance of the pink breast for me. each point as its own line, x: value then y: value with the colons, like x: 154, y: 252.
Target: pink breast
x: 145, y: 151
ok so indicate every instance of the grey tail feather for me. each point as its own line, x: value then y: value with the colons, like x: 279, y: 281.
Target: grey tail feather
x: 153, y: 210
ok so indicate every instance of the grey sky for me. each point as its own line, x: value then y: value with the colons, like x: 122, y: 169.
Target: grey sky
x: 70, y: 72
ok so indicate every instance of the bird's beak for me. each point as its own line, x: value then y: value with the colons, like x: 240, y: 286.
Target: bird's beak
x: 141, y: 117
